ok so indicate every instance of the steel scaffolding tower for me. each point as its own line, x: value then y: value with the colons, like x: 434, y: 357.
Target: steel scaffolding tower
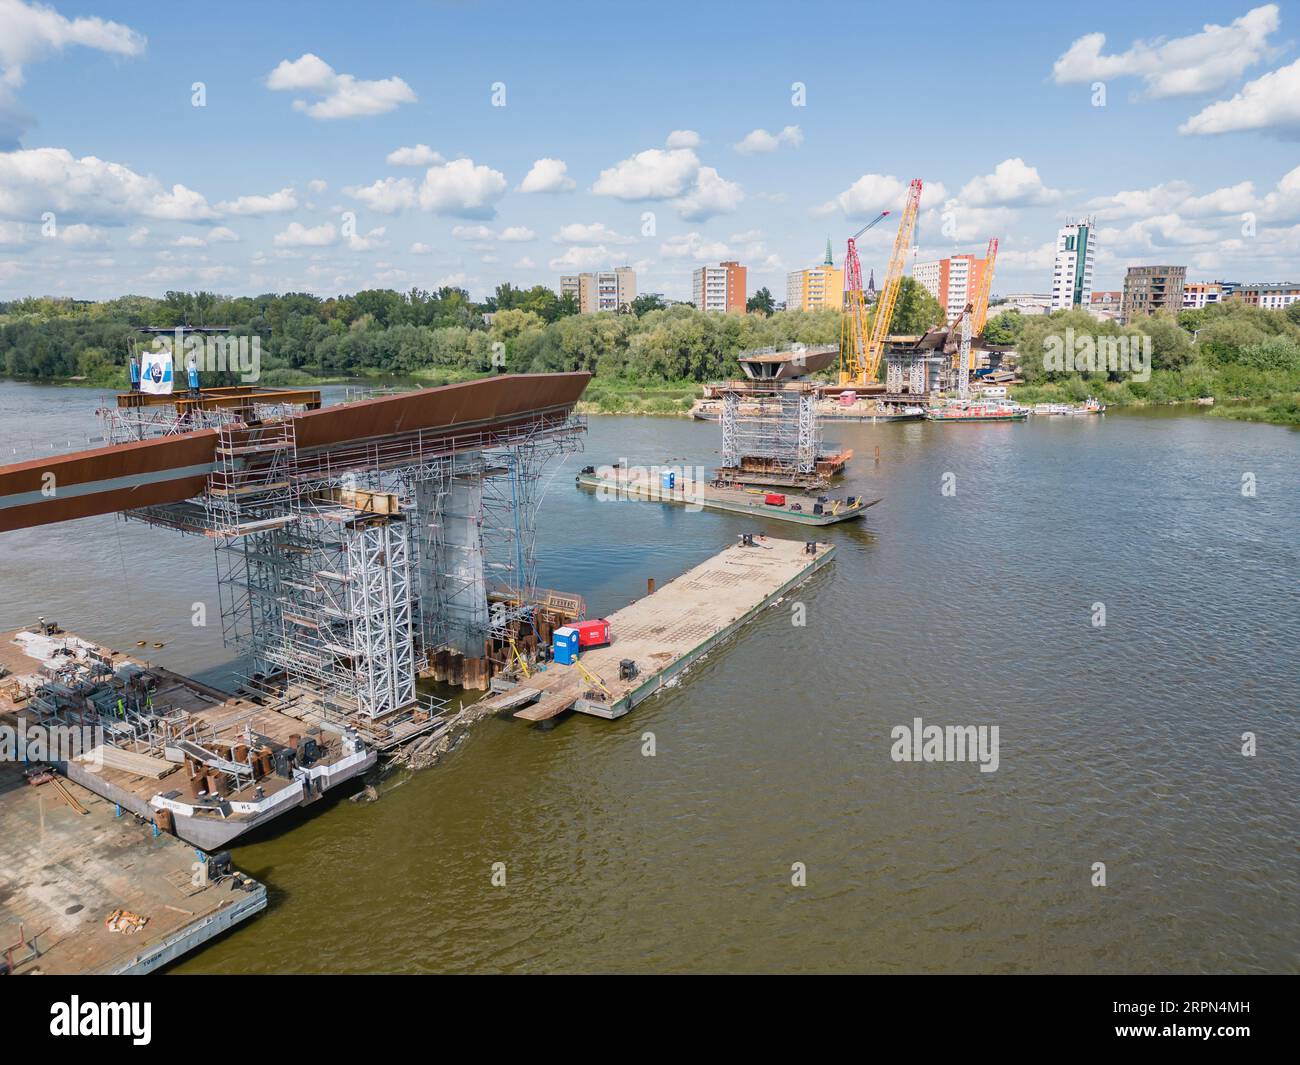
x: 774, y: 426
x: 340, y: 572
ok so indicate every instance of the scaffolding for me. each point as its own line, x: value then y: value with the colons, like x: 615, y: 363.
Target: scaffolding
x: 771, y: 430
x: 342, y: 571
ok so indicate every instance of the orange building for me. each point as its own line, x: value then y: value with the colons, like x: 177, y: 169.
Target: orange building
x: 719, y: 288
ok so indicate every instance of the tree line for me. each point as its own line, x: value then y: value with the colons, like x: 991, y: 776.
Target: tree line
x: 304, y: 336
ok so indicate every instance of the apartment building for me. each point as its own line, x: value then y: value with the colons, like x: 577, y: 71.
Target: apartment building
x: 609, y: 290
x: 953, y: 281
x: 1148, y: 289
x: 817, y: 288
x: 1271, y: 295
x: 719, y: 288
x: 1198, y: 294
x: 1106, y: 305
x: 1076, y: 248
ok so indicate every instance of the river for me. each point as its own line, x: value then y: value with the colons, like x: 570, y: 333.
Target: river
x: 1120, y: 744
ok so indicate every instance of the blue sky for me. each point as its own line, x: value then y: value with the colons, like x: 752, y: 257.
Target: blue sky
x: 676, y: 125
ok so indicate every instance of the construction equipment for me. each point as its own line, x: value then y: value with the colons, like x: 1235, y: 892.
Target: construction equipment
x: 592, y: 679
x: 858, y: 367
x: 853, y: 321
x: 971, y: 323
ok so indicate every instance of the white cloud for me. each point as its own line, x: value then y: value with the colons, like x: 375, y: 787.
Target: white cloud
x: 525, y: 264
x: 1232, y: 199
x: 654, y: 174
x: 36, y: 180
x: 580, y: 258
x: 712, y: 195
x: 547, y: 175
x: 694, y: 246
x: 419, y: 248
x: 30, y: 33
x: 12, y: 234
x: 1013, y: 183
x: 299, y: 236
x: 189, y: 242
x: 683, y: 138
x: 873, y: 193
x: 1154, y: 234
x: 1134, y: 203
x: 370, y: 241
x: 139, y: 238
x: 342, y: 95
x: 1197, y: 63
x: 462, y: 189
x: 457, y: 280
x: 416, y: 155
x: 222, y: 235
x: 254, y: 206
x: 82, y: 236
x: 589, y: 233
x: 954, y: 221
x: 511, y: 234
x: 317, y: 185
x: 760, y: 140
x: 1271, y: 102
x: 387, y: 195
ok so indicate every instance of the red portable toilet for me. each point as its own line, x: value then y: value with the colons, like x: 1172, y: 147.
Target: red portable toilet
x: 593, y: 633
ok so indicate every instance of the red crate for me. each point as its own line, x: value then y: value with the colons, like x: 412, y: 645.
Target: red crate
x: 593, y: 633
x: 774, y: 499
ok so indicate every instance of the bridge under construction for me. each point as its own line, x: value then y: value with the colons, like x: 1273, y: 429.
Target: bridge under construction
x: 357, y: 547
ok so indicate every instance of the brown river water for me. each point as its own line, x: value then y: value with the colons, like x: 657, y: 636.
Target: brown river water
x: 1119, y: 744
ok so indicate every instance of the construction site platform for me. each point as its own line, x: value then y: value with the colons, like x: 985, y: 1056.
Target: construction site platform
x: 644, y: 484
x: 65, y: 873
x: 665, y: 632
x: 148, y: 778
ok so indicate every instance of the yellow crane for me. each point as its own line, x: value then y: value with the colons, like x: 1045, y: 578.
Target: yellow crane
x: 859, y: 358
x: 970, y: 323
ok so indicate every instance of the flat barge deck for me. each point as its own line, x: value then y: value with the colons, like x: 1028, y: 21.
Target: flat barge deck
x: 666, y: 632
x: 644, y: 484
x: 65, y: 873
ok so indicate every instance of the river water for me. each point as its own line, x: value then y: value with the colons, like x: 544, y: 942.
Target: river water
x: 1118, y: 744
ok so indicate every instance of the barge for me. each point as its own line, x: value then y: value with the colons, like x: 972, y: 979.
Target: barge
x: 646, y: 484
x: 657, y: 638
x: 199, y: 762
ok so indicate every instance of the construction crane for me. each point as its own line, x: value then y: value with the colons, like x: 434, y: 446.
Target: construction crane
x: 973, y: 318
x: 853, y: 320
x: 858, y: 365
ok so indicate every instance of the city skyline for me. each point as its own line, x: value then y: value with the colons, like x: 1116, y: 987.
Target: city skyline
x: 314, y: 158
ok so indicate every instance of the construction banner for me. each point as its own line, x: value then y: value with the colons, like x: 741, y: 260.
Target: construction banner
x: 156, y: 372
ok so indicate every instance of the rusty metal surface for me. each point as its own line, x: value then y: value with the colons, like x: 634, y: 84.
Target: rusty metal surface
x: 498, y: 403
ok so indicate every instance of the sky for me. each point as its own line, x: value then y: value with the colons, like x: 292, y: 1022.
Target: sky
x: 327, y: 148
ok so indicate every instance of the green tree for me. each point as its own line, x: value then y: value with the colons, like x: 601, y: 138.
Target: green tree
x: 915, y: 310
x: 761, y: 301
x: 648, y: 301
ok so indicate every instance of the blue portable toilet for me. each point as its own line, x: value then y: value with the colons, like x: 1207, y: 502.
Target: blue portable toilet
x: 670, y: 479
x: 564, y: 647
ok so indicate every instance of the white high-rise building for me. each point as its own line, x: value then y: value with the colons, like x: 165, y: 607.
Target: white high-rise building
x: 1076, y: 248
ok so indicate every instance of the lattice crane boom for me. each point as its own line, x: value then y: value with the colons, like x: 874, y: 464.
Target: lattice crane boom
x: 853, y: 320
x: 863, y: 359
